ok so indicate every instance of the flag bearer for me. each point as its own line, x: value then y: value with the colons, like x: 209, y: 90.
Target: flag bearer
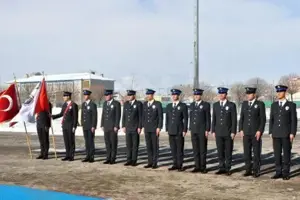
x: 69, y: 114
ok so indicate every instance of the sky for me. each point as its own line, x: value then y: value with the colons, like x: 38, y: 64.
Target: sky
x: 151, y: 40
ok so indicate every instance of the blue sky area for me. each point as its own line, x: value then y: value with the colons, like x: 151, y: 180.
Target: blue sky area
x: 151, y: 39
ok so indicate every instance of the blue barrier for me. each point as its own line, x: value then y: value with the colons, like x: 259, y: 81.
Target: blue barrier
x: 11, y: 192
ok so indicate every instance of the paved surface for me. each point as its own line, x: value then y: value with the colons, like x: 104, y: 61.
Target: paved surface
x: 120, y: 182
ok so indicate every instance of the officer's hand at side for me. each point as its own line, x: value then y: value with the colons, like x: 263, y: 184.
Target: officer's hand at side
x: 157, y: 131
x: 258, y: 135
x: 242, y: 134
x: 232, y: 136
x: 124, y: 130
x: 184, y: 134
x: 116, y: 129
x: 47, y: 129
x: 206, y: 134
x: 139, y: 130
x: 270, y: 135
x: 214, y: 135
x: 74, y: 129
x: 93, y: 130
x: 292, y: 137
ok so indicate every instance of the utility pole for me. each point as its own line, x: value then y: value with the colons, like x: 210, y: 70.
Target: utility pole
x: 196, y: 45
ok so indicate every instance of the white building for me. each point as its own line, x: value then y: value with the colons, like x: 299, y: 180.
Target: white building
x: 74, y: 82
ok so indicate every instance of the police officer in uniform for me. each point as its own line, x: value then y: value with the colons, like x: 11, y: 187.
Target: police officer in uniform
x: 69, y: 114
x: 43, y: 124
x: 251, y: 127
x: 152, y: 124
x: 200, y: 123
x: 110, y: 124
x: 283, y: 128
x: 89, y: 118
x: 132, y: 126
x: 224, y: 127
x: 176, y: 126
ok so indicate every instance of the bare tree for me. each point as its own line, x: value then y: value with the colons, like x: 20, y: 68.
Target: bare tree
x: 263, y: 87
x: 291, y: 81
x: 237, y: 92
x: 187, y: 91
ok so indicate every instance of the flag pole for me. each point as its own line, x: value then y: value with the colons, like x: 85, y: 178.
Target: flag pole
x: 27, y: 136
x: 53, y: 137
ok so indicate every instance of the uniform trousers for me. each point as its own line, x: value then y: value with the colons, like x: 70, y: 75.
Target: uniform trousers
x: 132, y: 144
x: 152, y: 143
x: 199, y: 142
x: 89, y: 138
x: 43, y: 134
x: 251, y: 144
x: 224, y: 147
x: 279, y: 145
x: 177, y: 146
x: 69, y: 140
x: 111, y: 143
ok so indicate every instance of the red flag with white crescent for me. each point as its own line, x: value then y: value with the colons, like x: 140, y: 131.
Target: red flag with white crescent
x: 9, y: 107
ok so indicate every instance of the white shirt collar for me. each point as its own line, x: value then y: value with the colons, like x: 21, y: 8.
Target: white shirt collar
x: 224, y: 102
x: 176, y: 103
x: 132, y: 102
x: 283, y: 101
x: 110, y: 101
x: 252, y: 101
x: 198, y: 102
x: 88, y: 101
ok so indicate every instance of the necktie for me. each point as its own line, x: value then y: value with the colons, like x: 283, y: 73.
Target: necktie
x: 222, y: 104
x: 250, y: 104
x: 174, y: 105
x: 280, y: 104
x: 149, y: 104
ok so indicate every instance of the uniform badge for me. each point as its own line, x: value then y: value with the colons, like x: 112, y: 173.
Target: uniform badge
x: 178, y: 107
x: 255, y: 106
x: 201, y: 107
x: 112, y: 106
x: 226, y: 108
x: 134, y: 106
x: 88, y: 107
x: 153, y: 106
x: 287, y: 108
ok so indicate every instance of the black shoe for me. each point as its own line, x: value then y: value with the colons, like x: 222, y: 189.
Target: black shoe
x: 112, y: 162
x: 203, y: 171
x: 247, y: 173
x: 65, y: 159
x: 256, y: 175
x: 85, y: 160
x: 106, y: 162
x: 128, y: 163
x: 276, y: 176
x: 286, y: 177
x: 91, y: 160
x: 180, y: 169
x: 45, y: 158
x: 40, y: 157
x: 71, y: 159
x: 134, y: 164
x: 228, y: 173
x: 220, y: 172
x: 147, y: 166
x: 154, y: 166
x: 172, y: 168
x: 196, y: 170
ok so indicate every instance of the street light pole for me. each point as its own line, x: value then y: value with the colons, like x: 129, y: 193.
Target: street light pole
x: 196, y: 45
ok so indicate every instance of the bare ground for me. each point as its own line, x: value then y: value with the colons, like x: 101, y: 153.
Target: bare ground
x: 133, y: 183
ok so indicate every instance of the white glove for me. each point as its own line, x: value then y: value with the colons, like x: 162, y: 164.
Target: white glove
x: 74, y: 129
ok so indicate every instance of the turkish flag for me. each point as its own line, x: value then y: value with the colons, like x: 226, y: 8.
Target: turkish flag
x: 8, y: 103
x: 42, y: 103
